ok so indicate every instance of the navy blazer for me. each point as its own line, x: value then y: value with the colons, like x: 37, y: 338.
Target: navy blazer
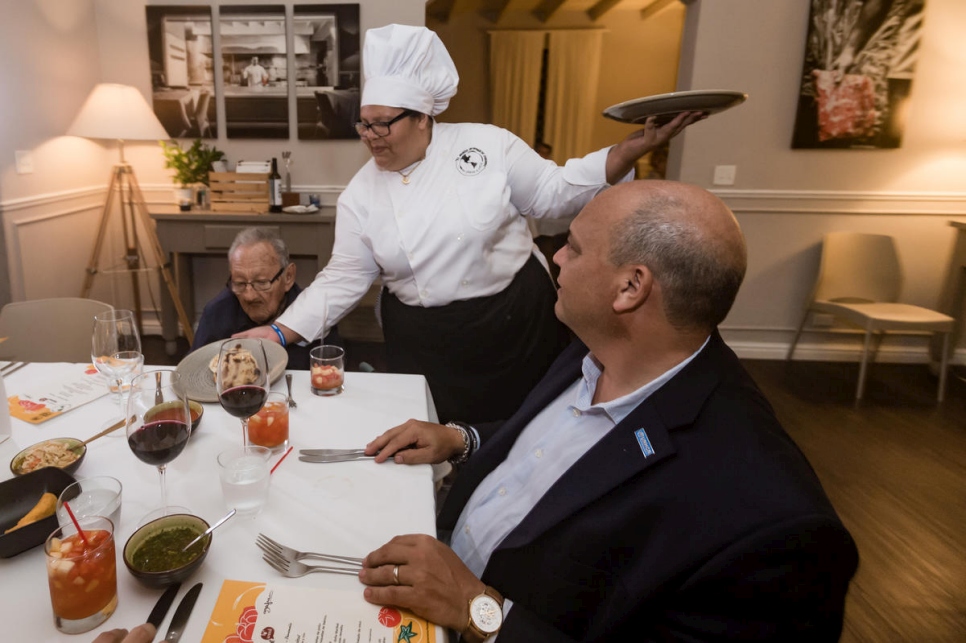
x: 696, y: 518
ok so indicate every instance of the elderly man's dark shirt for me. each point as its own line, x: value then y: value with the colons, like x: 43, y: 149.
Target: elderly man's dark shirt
x: 223, y: 316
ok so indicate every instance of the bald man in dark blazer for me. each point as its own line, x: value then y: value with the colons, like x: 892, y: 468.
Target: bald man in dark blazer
x: 645, y: 490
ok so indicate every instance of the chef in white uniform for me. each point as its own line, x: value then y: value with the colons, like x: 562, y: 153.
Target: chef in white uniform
x: 439, y: 215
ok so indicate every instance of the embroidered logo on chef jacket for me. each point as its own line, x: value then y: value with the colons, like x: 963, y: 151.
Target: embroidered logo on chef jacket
x: 471, y: 161
x: 644, y: 442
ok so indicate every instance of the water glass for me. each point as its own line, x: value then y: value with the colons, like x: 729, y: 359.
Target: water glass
x: 244, y: 476
x: 98, y: 496
x: 269, y: 427
x: 82, y: 576
x: 328, y: 369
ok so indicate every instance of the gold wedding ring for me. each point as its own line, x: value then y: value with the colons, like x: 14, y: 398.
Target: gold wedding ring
x: 395, y: 574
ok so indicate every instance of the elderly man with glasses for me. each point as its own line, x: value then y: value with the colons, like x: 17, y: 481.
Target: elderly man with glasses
x: 261, y: 284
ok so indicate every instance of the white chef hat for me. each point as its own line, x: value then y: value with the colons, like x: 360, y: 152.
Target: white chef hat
x: 407, y: 67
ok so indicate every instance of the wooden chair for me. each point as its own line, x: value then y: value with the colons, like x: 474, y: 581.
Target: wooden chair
x: 860, y: 280
x: 49, y: 330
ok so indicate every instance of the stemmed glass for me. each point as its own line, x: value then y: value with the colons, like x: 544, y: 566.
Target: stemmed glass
x: 159, y: 421
x: 242, y: 379
x: 116, y: 349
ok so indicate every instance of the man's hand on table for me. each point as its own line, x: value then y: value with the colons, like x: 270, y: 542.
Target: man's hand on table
x: 433, y: 582
x: 417, y: 442
x: 143, y: 633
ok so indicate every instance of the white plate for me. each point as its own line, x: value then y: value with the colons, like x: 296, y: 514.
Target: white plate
x: 300, y: 209
x: 200, y: 381
x: 666, y: 106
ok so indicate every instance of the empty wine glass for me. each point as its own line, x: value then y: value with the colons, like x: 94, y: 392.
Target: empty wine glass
x: 116, y: 349
x: 159, y: 421
x: 242, y: 379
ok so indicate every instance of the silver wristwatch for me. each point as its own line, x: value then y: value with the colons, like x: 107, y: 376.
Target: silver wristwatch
x: 467, y: 441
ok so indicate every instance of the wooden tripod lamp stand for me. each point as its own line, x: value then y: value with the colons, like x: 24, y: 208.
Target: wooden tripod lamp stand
x: 120, y: 112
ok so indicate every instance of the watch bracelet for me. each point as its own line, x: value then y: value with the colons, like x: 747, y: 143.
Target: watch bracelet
x: 465, y: 455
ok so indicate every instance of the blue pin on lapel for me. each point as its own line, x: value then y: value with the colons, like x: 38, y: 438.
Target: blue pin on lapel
x: 644, y: 442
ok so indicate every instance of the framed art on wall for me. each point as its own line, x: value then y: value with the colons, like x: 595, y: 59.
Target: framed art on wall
x: 860, y: 58
x: 182, y: 75
x: 327, y: 70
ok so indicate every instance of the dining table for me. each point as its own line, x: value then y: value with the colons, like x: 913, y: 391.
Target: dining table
x: 347, y: 508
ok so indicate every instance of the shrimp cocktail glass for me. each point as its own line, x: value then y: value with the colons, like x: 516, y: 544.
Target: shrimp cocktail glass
x: 328, y: 369
x: 82, y: 574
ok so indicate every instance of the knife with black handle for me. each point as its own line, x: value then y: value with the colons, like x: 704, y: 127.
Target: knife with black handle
x: 161, y: 607
x: 181, y: 615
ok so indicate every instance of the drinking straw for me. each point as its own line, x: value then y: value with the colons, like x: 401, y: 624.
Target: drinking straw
x: 70, y: 512
x: 284, y: 455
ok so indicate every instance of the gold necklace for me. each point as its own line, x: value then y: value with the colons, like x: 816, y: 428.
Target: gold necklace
x: 405, y: 177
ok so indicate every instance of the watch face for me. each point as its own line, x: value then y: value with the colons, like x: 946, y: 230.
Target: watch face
x: 486, y: 613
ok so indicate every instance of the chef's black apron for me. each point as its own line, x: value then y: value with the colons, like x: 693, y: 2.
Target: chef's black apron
x: 480, y: 356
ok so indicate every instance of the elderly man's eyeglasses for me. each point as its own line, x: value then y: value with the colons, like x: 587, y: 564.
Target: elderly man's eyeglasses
x: 259, y: 285
x: 381, y: 129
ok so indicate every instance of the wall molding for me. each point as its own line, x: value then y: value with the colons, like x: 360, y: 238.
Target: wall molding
x: 837, y: 202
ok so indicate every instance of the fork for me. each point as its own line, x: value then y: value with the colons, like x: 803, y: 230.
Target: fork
x: 290, y: 400
x: 295, y: 569
x: 270, y: 546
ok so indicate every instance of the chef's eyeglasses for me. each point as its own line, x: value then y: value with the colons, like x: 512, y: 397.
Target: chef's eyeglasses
x: 381, y: 129
x: 260, y: 285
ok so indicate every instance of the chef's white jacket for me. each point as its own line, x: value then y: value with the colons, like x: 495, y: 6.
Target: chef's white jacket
x: 455, y: 232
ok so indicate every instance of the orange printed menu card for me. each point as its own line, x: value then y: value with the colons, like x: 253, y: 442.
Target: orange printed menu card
x: 248, y: 612
x: 53, y: 396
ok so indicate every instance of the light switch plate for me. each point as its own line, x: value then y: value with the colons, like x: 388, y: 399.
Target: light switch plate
x: 725, y: 174
x: 25, y: 161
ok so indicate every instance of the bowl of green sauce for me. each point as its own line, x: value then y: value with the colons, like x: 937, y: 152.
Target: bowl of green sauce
x: 153, y: 553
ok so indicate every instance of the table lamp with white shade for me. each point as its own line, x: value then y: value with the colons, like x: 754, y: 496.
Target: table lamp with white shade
x: 120, y: 112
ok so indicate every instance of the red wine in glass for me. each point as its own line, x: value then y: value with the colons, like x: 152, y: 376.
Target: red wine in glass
x: 159, y: 421
x: 159, y: 442
x: 241, y: 379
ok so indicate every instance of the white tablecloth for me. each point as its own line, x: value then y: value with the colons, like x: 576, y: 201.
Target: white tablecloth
x: 348, y: 508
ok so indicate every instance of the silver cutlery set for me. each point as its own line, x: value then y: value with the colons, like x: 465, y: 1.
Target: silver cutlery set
x: 288, y: 561
x: 333, y: 455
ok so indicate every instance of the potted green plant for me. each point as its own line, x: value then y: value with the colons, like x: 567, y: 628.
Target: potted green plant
x: 191, y: 167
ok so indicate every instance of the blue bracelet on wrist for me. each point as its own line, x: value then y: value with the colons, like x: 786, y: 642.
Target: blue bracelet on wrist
x: 281, y: 336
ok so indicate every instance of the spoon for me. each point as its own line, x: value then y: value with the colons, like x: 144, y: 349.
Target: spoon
x: 209, y: 530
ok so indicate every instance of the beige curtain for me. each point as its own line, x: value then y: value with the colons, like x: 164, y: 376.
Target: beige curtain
x: 515, y: 61
x: 573, y: 71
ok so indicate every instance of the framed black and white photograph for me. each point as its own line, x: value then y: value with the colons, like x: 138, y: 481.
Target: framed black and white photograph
x: 326, y: 41
x: 254, y: 62
x: 860, y: 58
x: 182, y: 73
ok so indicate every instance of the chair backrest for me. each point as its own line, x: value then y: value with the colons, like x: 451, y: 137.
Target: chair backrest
x: 857, y: 267
x: 49, y: 330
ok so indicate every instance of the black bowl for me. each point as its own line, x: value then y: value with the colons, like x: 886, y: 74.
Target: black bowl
x: 158, y: 579
x: 197, y: 410
x: 17, y: 497
x: 17, y: 464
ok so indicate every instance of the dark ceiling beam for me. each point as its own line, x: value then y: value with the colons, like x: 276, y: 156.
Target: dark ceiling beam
x: 547, y: 8
x: 602, y: 7
x: 654, y: 7
x: 440, y: 10
x: 493, y: 10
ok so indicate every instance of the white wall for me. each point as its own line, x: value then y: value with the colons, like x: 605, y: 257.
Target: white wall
x: 787, y: 199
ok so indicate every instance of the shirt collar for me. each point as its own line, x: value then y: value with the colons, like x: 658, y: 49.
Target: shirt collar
x: 621, y: 407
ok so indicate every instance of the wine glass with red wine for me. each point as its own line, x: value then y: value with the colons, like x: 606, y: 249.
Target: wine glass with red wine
x: 242, y: 379
x: 158, y: 421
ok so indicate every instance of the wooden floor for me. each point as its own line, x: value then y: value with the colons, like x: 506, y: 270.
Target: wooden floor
x: 895, y: 469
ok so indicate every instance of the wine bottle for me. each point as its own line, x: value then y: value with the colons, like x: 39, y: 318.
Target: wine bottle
x: 274, y: 188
